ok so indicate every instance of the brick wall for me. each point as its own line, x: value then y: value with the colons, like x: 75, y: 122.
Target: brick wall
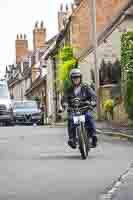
x: 21, y: 47
x: 80, y: 26
x: 81, y: 20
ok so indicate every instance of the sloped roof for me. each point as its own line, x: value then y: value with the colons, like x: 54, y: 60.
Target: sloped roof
x: 129, y: 11
x: 35, y: 84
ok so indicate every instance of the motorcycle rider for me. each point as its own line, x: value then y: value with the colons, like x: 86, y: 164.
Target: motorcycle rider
x: 82, y: 90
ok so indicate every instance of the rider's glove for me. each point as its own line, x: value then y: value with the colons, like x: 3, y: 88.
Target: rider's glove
x: 64, y: 106
x: 93, y: 103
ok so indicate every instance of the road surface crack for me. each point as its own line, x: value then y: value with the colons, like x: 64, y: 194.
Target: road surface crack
x: 116, y: 185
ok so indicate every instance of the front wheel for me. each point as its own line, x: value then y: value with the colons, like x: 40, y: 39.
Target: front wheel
x: 83, y: 141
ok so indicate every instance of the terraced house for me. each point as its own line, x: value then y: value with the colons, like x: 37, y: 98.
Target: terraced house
x: 113, y: 18
x: 27, y: 70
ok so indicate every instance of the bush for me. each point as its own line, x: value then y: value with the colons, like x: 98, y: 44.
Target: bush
x: 129, y: 98
x: 109, y: 108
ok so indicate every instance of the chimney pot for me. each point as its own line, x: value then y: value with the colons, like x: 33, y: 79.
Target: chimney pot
x: 61, y: 7
x: 42, y: 24
x: 67, y: 8
x: 21, y: 36
x: 36, y: 24
x: 24, y: 36
x: 77, y: 2
x: 17, y: 37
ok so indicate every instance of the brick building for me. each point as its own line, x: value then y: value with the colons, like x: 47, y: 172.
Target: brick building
x: 78, y: 31
x: 78, y: 26
x: 81, y: 20
x: 26, y: 70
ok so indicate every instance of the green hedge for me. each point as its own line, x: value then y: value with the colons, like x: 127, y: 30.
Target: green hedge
x: 127, y: 68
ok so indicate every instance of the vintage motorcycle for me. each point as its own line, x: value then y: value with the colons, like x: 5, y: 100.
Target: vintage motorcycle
x: 79, y: 112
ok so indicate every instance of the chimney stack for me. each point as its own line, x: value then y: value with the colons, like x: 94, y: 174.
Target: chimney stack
x: 62, y: 15
x: 39, y: 35
x: 21, y: 45
x: 77, y: 2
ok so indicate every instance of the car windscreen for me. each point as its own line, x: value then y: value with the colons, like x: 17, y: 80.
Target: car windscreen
x: 4, y: 93
x: 24, y: 105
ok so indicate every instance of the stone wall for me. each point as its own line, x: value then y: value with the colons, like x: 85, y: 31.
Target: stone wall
x: 112, y: 92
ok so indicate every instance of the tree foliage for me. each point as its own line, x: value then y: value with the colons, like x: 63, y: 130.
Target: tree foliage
x: 127, y: 53
x: 67, y: 61
x: 127, y: 67
x: 129, y: 98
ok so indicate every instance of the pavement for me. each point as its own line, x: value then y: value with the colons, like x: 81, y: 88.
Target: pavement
x: 109, y: 129
x: 37, y: 164
x: 115, y: 129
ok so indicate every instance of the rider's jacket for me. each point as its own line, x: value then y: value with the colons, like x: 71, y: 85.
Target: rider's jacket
x: 86, y: 94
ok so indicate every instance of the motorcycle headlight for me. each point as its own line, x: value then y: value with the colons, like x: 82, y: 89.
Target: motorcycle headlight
x: 77, y: 102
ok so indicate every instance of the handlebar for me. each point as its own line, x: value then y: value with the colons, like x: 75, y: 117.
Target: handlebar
x: 81, y: 105
x: 71, y: 109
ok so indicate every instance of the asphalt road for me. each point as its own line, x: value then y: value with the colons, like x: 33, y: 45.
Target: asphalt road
x: 37, y: 164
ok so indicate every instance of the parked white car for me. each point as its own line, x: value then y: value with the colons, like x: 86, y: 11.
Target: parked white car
x: 6, y: 111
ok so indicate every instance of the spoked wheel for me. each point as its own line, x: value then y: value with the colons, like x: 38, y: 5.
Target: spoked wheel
x: 83, y: 141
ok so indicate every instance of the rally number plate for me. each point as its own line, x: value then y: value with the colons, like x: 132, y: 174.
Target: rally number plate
x: 78, y: 119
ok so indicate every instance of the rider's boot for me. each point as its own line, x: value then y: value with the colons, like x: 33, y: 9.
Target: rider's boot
x: 72, y: 135
x: 94, y: 141
x: 72, y: 143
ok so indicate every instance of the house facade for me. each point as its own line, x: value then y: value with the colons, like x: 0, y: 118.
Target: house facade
x: 78, y: 33
x: 109, y: 51
x: 26, y: 70
x: 18, y: 80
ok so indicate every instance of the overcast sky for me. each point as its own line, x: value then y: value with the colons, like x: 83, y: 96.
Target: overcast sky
x: 19, y: 17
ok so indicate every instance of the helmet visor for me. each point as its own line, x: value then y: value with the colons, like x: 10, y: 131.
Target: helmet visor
x: 73, y: 76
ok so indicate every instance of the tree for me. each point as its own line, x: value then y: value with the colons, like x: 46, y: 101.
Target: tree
x: 116, y: 72
x: 67, y: 61
x: 102, y: 72
x: 110, y: 72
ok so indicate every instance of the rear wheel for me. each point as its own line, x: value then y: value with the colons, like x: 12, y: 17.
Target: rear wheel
x: 83, y: 141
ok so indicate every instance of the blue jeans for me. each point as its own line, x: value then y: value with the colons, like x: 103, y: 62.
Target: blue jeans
x: 90, y: 125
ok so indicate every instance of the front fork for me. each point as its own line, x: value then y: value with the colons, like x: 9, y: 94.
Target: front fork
x: 79, y: 126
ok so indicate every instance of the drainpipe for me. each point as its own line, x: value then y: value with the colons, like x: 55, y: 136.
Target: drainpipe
x: 95, y: 44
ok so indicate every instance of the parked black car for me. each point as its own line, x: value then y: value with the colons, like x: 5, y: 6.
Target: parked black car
x: 27, y: 112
